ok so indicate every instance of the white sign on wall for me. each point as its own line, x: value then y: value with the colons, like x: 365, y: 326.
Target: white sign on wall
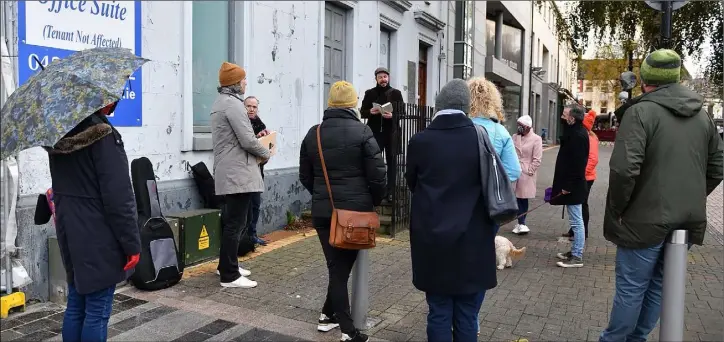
x: 50, y: 30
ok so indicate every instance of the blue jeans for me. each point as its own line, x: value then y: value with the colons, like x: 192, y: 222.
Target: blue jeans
x: 522, y: 207
x: 575, y: 219
x: 454, y: 315
x: 637, y: 302
x: 477, y: 313
x: 253, y: 217
x: 86, y: 316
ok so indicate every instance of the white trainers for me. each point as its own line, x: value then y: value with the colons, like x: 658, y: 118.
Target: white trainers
x: 523, y: 229
x: 242, y: 282
x: 327, y: 323
x: 243, y: 272
x: 516, y: 230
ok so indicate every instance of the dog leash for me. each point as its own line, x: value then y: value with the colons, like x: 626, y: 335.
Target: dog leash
x: 531, y: 210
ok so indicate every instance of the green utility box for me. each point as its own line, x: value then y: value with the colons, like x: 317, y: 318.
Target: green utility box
x: 199, y: 235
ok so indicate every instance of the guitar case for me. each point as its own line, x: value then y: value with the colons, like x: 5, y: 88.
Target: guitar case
x: 205, y: 184
x: 159, y: 266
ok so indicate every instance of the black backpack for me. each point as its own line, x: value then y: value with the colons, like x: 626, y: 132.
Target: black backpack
x: 159, y: 266
x: 205, y: 183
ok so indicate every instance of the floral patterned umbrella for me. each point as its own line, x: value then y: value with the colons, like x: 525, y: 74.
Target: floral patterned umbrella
x: 56, y: 99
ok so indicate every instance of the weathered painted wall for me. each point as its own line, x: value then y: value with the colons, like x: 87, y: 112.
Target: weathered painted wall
x: 282, y: 53
x: 160, y: 135
x: 289, y: 104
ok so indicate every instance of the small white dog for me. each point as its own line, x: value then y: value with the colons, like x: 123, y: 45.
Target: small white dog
x: 505, y: 252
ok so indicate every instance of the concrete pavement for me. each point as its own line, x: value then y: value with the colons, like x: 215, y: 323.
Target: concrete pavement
x: 534, y: 299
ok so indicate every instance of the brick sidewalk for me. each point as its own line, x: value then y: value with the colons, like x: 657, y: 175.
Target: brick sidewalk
x: 714, y: 213
x: 534, y: 299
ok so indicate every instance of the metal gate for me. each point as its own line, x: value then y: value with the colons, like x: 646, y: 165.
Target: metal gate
x: 415, y: 119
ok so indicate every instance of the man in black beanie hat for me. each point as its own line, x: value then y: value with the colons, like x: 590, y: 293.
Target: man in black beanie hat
x: 384, y: 125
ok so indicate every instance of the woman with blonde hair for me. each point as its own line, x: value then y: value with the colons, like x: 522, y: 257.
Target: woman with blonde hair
x: 486, y: 109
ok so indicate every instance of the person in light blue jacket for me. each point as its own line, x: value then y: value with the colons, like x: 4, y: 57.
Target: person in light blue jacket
x: 486, y: 109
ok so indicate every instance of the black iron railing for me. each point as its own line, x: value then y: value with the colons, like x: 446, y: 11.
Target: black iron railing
x: 411, y: 120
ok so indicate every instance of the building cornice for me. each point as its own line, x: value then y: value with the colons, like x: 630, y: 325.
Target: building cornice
x: 389, y: 23
x: 400, y: 6
x: 428, y: 20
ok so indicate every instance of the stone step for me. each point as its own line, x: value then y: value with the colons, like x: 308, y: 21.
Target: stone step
x: 385, y: 225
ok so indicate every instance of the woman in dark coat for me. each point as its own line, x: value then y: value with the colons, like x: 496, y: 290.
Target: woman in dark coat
x: 569, y: 180
x: 357, y: 177
x: 451, y: 235
x: 96, y: 222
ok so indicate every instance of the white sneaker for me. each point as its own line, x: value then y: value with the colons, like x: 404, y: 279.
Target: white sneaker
x: 327, y: 323
x: 243, y: 272
x: 242, y: 282
x: 523, y: 229
x: 516, y: 230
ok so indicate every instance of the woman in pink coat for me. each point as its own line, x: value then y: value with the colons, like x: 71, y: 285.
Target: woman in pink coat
x: 529, y: 147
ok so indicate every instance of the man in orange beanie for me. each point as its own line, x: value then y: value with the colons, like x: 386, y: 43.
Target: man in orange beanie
x: 236, y: 170
x: 231, y: 74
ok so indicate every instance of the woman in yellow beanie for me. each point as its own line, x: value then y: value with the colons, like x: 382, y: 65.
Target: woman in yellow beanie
x: 356, y: 175
x: 236, y: 171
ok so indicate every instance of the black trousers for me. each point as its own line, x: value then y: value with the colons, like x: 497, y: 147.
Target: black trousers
x: 384, y: 141
x: 339, y: 265
x: 584, y: 208
x: 253, y: 216
x: 233, y: 219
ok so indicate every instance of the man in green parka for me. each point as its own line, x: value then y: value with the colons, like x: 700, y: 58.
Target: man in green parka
x: 666, y: 159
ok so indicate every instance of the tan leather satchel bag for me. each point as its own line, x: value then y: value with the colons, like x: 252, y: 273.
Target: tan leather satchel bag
x: 349, y: 229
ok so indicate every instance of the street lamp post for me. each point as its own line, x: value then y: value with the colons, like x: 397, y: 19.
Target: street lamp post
x: 666, y: 25
x: 630, y: 65
x: 667, y: 8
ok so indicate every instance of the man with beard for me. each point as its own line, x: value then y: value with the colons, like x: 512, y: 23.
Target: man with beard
x: 384, y: 125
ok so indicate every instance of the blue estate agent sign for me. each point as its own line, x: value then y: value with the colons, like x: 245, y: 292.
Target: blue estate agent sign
x: 50, y: 30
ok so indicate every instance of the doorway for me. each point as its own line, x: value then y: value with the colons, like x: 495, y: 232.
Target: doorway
x: 422, y: 75
x: 335, y: 23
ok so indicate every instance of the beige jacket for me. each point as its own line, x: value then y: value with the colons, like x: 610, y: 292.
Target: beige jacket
x: 236, y: 148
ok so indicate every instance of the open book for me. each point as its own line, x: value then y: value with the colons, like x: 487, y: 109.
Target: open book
x: 387, y: 107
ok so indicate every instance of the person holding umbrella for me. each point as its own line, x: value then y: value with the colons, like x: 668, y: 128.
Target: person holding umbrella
x: 95, y: 209
x: 95, y: 206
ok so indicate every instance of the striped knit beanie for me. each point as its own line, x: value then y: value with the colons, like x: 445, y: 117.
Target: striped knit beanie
x: 661, y: 67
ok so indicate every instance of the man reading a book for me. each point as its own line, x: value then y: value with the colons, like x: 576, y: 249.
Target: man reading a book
x: 380, y: 106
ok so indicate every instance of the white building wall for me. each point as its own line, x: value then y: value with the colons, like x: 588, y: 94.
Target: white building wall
x: 289, y: 86
x: 160, y: 137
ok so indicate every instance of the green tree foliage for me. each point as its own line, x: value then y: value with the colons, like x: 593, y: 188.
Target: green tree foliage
x: 692, y: 26
x: 715, y: 67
